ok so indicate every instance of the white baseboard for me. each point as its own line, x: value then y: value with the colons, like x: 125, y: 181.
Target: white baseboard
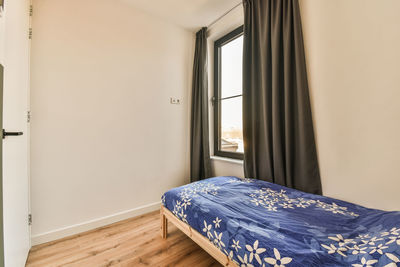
x: 93, y: 224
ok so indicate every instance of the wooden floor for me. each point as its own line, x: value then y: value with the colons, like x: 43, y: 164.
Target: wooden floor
x: 133, y: 242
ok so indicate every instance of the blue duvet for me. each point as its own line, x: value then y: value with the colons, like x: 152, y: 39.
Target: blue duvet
x: 257, y: 223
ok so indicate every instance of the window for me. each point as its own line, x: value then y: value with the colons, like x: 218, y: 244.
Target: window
x: 228, y: 132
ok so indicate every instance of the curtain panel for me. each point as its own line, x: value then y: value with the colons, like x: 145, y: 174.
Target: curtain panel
x: 279, y: 143
x: 200, y: 163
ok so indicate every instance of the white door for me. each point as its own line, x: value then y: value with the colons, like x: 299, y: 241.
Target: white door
x: 16, y: 46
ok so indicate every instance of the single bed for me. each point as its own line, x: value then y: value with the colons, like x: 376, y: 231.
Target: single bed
x: 248, y: 222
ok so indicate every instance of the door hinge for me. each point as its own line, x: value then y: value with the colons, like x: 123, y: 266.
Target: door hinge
x: 30, y: 33
x: 31, y: 10
x: 29, y: 219
x: 28, y: 116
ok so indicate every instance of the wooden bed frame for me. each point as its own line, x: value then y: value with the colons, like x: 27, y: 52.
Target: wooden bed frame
x: 202, y: 241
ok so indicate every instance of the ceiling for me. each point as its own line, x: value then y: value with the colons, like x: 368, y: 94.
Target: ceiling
x: 190, y: 14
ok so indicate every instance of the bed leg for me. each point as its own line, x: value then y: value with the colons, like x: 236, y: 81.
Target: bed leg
x: 164, y: 225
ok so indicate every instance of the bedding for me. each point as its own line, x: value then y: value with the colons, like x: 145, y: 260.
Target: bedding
x: 256, y: 223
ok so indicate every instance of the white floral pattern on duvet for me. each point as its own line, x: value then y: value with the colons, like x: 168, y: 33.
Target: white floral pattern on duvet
x: 274, y: 200
x: 372, y: 247
x: 252, y: 253
x: 188, y: 192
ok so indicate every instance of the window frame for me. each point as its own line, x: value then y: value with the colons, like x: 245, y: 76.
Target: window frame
x: 238, y: 32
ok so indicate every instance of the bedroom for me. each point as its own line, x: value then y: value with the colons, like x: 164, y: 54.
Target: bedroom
x: 107, y: 88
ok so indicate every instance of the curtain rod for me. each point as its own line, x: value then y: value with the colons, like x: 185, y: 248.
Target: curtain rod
x: 223, y: 15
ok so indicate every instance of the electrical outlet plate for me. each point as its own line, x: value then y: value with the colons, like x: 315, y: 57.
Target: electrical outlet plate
x: 175, y: 101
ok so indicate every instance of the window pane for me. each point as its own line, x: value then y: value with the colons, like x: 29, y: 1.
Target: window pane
x: 231, y: 68
x: 231, y: 125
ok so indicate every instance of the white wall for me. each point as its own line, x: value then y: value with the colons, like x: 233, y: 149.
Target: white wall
x: 353, y: 59
x: 353, y: 56
x: 105, y: 139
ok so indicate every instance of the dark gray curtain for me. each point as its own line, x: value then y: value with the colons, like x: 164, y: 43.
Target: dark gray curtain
x: 200, y: 165
x: 279, y: 143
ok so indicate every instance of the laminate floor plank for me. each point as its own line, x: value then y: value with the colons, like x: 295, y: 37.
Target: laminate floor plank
x: 133, y: 242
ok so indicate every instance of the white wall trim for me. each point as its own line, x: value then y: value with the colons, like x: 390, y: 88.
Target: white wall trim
x: 230, y: 160
x: 93, y: 224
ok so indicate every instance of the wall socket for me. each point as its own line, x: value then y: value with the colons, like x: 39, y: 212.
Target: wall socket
x: 175, y: 101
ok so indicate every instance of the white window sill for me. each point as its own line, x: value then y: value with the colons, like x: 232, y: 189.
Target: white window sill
x: 235, y: 161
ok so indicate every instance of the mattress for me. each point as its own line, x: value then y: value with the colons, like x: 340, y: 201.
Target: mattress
x: 256, y: 223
